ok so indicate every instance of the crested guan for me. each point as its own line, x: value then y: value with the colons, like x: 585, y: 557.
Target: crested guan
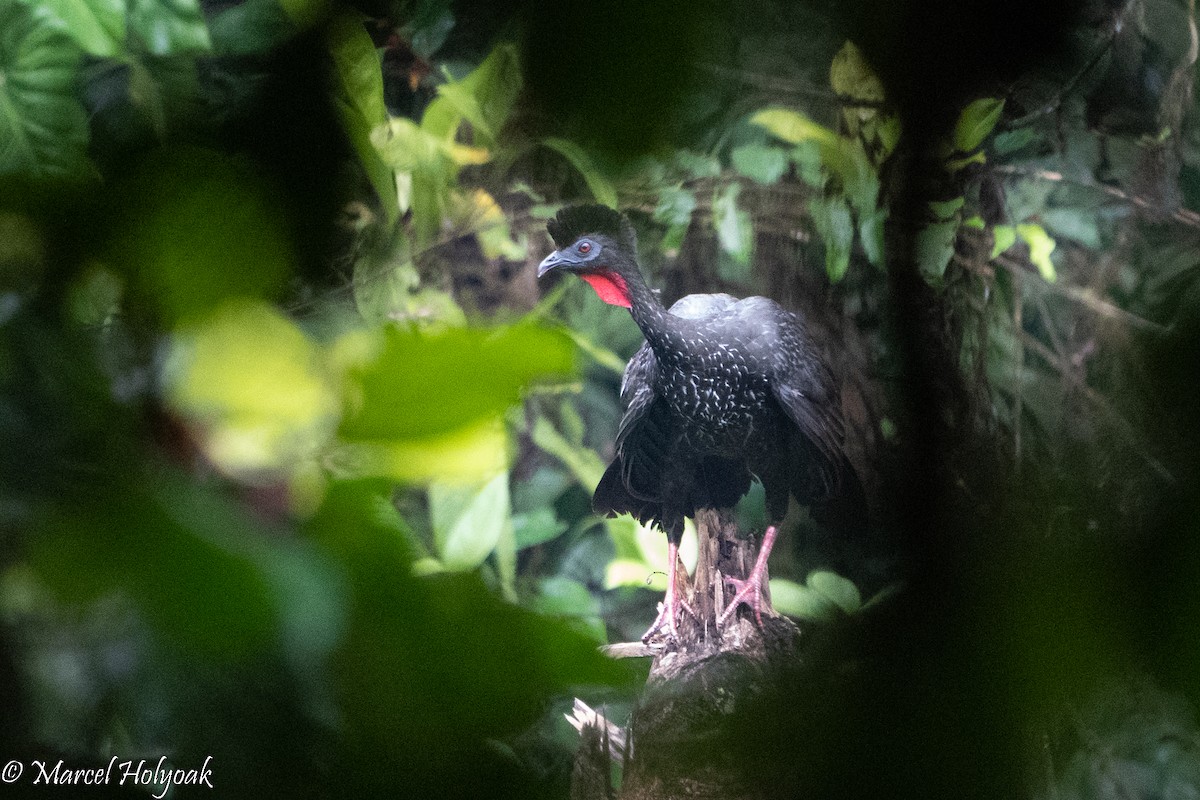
x: 722, y: 390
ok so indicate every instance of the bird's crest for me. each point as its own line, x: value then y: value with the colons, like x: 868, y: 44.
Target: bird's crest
x: 574, y: 221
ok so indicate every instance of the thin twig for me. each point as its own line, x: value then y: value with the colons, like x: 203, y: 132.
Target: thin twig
x: 1123, y: 426
x: 1182, y: 215
x: 772, y: 83
x: 1089, y: 300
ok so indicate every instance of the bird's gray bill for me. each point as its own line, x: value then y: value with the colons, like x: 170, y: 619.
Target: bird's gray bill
x: 548, y: 263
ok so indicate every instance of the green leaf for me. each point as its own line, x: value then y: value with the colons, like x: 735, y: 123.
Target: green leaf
x: 602, y: 189
x: 675, y: 206
x: 570, y: 600
x: 191, y: 559
x: 759, y: 162
x: 195, y: 228
x: 305, y: 13
x: 1041, y: 245
x: 1079, y: 224
x: 975, y: 122
x: 935, y: 247
x: 810, y: 163
x: 840, y: 591
x: 794, y: 127
x: 43, y: 126
x: 697, y: 165
x: 1003, y: 237
x: 429, y: 29
x: 415, y: 383
x: 735, y: 230
x: 852, y: 76
x: 804, y: 602
x: 536, y: 527
x: 253, y: 388
x: 356, y: 66
x: 584, y: 464
x: 170, y: 27
x: 98, y: 26
x: 870, y: 231
x: 468, y: 521
x: 832, y: 220
x: 485, y: 98
x: 252, y: 27
x: 946, y: 209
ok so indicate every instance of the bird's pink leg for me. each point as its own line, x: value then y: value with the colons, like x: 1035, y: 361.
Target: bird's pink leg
x: 668, y: 609
x: 749, y: 591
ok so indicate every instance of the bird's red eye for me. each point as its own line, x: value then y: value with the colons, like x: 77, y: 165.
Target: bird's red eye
x: 584, y: 247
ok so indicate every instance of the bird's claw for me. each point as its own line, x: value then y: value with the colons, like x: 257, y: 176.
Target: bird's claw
x: 668, y: 613
x: 748, y: 591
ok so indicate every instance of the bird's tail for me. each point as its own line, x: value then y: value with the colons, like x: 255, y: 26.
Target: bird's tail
x: 844, y: 512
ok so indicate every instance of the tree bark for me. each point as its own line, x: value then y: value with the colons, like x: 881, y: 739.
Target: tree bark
x: 682, y: 736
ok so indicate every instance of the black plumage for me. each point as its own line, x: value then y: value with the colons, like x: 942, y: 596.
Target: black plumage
x: 723, y: 390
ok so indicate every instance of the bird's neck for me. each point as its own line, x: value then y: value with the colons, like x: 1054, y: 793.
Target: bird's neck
x: 660, y: 327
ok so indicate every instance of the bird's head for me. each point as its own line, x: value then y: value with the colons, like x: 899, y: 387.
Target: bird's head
x: 599, y: 245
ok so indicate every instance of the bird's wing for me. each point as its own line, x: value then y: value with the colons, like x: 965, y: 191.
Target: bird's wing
x: 633, y: 482
x: 702, y: 306
x: 806, y: 390
x: 643, y: 436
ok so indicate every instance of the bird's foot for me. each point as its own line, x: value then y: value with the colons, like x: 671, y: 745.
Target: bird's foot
x: 668, y: 617
x: 748, y: 591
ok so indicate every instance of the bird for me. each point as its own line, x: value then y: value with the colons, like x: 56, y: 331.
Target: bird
x: 721, y: 392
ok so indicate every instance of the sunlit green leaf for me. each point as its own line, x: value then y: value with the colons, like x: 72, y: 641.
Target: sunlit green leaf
x: 1041, y: 245
x: 468, y: 520
x: 1003, y: 237
x: 425, y: 383
x: 356, y: 65
x: 641, y: 554
x: 43, y: 126
x: 469, y: 453
x: 602, y: 189
x: 794, y: 127
x: 98, y: 26
x: 253, y: 388
x: 975, y: 122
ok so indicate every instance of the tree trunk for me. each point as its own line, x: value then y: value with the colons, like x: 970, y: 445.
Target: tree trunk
x: 682, y: 739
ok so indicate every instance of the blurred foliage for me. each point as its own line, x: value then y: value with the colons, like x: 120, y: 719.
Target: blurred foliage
x: 297, y: 458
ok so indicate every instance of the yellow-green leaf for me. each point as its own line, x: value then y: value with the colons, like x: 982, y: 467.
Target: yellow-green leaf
x: 253, y: 387
x: 975, y: 122
x: 794, y: 127
x: 1041, y: 245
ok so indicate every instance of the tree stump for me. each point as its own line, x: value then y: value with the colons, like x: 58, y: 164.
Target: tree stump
x: 682, y: 740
